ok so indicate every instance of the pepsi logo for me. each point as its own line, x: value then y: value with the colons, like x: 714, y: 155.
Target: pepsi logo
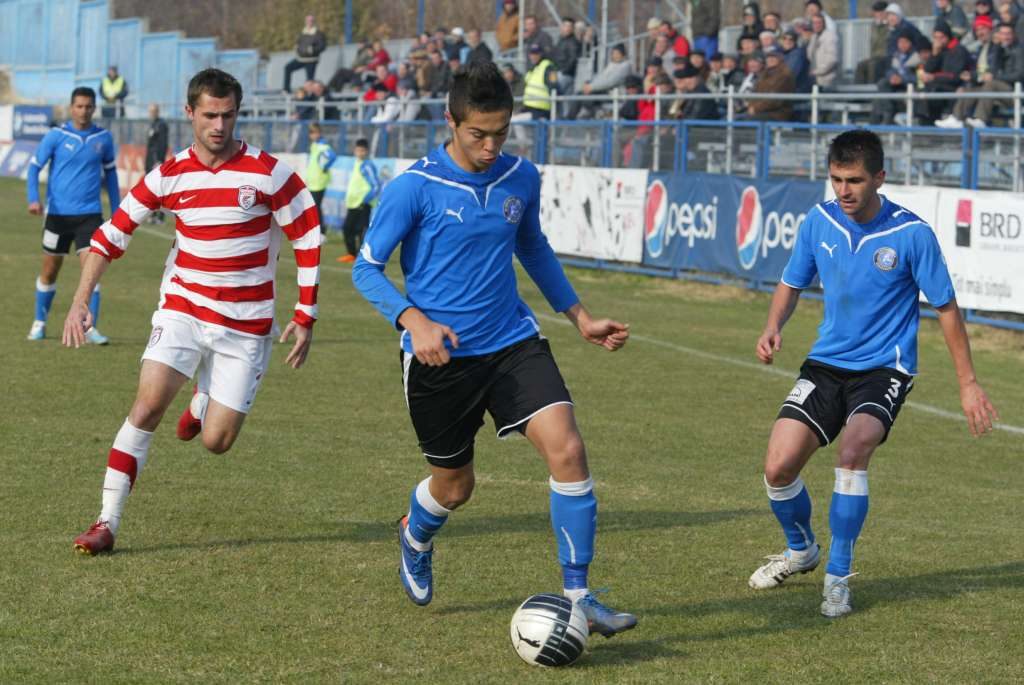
x: 749, y: 227
x: 655, y: 218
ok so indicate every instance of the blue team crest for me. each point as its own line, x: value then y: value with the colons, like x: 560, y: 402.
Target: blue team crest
x: 886, y: 259
x: 513, y: 209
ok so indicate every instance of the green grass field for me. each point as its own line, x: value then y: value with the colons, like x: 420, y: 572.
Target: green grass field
x: 277, y: 561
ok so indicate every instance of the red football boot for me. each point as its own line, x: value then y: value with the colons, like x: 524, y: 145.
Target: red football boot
x: 188, y: 425
x: 96, y: 540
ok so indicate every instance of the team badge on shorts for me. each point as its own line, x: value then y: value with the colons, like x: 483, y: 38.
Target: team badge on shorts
x: 801, y: 391
x: 513, y: 209
x: 154, y: 337
x: 886, y: 259
x: 246, y: 196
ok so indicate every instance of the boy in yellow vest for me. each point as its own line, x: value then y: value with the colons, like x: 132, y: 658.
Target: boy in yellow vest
x: 363, y: 190
x: 318, y: 176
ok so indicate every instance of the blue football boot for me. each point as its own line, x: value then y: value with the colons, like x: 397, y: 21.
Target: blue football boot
x: 415, y: 569
x: 602, y: 619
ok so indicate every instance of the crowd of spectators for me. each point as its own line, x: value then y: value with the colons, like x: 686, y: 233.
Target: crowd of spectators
x: 973, y: 52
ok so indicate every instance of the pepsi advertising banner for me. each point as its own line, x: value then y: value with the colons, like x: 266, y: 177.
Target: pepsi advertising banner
x: 707, y: 222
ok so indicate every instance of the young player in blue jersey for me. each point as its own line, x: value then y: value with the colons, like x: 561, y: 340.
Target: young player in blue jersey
x: 873, y: 258
x: 469, y: 343
x: 80, y: 154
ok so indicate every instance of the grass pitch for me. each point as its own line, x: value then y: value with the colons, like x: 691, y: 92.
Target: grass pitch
x: 277, y: 562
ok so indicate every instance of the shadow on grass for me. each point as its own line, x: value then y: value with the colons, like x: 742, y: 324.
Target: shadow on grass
x: 468, y: 525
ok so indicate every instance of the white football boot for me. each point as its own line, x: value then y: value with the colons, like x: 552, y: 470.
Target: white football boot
x: 836, y: 596
x: 782, y: 566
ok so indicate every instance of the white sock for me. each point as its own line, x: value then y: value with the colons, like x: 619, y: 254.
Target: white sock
x: 117, y: 484
x: 197, y: 407
x: 575, y: 594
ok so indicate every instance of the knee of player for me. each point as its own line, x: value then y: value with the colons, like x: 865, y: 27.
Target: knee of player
x: 778, y: 473
x: 569, y: 452
x: 218, y: 443
x: 456, y: 494
x: 854, y: 455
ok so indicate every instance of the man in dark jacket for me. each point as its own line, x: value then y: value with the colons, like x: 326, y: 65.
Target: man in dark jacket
x: 999, y: 79
x: 776, y: 78
x: 870, y: 70
x: 942, y: 72
x: 307, y: 52
x: 897, y: 25
x: 534, y: 35
x: 156, y: 149
x: 688, y: 81
x: 565, y: 55
x: 705, y: 20
x: 901, y: 73
x: 479, y: 53
x: 795, y: 58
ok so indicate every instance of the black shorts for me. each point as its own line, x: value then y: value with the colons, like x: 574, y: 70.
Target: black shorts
x: 825, y: 397
x: 60, y: 230
x: 447, y: 403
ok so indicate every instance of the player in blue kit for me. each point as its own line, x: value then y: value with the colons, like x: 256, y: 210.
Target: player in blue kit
x: 469, y: 343
x: 80, y: 154
x: 873, y: 258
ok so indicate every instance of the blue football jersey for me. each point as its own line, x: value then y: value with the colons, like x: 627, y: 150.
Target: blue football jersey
x: 872, y: 275
x: 459, y: 232
x: 79, y: 161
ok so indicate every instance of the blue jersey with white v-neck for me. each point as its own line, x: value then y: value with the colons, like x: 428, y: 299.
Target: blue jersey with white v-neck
x: 459, y: 231
x: 872, y: 275
x: 78, y: 160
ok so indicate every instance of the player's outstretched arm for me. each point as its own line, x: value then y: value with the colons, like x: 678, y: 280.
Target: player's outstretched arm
x: 303, y: 339
x: 977, y: 408
x: 79, y: 318
x: 783, y: 304
x: 607, y: 333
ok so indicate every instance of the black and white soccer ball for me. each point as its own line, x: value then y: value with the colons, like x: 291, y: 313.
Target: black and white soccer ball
x: 549, y: 630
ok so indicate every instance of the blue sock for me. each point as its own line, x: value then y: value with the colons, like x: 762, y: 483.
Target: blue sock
x: 846, y: 518
x: 44, y: 299
x: 94, y: 305
x: 792, y: 507
x: 426, y: 516
x: 574, y: 521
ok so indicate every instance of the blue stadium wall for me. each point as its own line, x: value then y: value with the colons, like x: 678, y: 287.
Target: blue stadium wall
x: 52, y: 46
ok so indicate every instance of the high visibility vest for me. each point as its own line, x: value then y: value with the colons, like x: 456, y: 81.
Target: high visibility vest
x: 317, y: 178
x: 111, y: 89
x: 358, y: 187
x: 536, y: 94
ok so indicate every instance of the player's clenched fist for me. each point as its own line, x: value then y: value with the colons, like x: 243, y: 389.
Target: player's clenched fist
x: 768, y: 344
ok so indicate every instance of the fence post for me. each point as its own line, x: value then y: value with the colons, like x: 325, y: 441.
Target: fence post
x: 682, y: 157
x: 730, y: 116
x: 813, y: 175
x: 551, y: 119
x: 1016, y: 136
x: 656, y: 131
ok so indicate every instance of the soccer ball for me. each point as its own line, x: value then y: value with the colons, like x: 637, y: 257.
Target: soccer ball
x: 549, y: 630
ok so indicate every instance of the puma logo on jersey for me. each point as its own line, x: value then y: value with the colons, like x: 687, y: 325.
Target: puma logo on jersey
x: 452, y: 212
x: 186, y: 200
x: 824, y: 245
x: 69, y: 146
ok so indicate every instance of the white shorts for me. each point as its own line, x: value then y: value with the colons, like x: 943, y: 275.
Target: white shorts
x: 228, y: 366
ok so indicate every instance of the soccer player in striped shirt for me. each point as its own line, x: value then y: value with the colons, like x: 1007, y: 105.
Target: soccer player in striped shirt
x: 215, y: 319
x: 470, y: 344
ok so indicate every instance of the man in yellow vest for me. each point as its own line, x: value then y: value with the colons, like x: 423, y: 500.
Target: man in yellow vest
x: 363, y: 190
x: 540, y: 80
x: 114, y: 90
x: 321, y: 157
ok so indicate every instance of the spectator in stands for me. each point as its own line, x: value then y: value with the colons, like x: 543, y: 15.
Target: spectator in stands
x: 773, y: 23
x: 897, y: 25
x: 953, y: 15
x: 752, y: 25
x: 688, y: 81
x: 942, y: 72
x: 308, y: 47
x: 662, y: 50
x: 734, y: 73
x: 1003, y: 71
x: 386, y: 77
x: 609, y: 78
x: 401, y: 105
x: 869, y: 70
x: 478, y: 50
x: 156, y: 150
x: 440, y: 38
x: 540, y: 79
x: 699, y: 61
x: 716, y: 79
x: 642, y: 147
x: 590, y: 43
x: 652, y: 70
x: 456, y: 46
x: 565, y: 56
x: 901, y: 73
x: 380, y: 56
x: 628, y: 111
x: 677, y: 42
x: 802, y: 28
x: 114, y: 90
x: 812, y: 9
x: 796, y: 59
x: 419, y: 44
x: 515, y: 82
x: 534, y: 35
x: 507, y: 30
x: 453, y: 66
x: 653, y: 31
x: 776, y: 78
x: 765, y: 41
x: 983, y: 7
x: 440, y: 75
x: 360, y: 65
x: 823, y: 52
x: 752, y: 71
x: 705, y: 21
x: 749, y: 46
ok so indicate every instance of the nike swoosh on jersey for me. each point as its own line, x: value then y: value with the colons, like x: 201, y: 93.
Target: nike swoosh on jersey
x: 420, y: 593
x: 184, y: 200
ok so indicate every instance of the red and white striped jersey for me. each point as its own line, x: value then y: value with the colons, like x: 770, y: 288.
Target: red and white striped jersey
x: 222, y: 266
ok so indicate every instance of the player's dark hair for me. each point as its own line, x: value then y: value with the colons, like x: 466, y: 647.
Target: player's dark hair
x: 478, y: 87
x: 363, y: 142
x: 83, y: 92
x: 215, y: 83
x: 858, y: 145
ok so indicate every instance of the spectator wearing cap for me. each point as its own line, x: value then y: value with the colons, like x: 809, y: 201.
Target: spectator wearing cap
x: 823, y: 53
x: 869, y: 70
x: 652, y: 70
x: 612, y: 76
x: 540, y: 80
x: 901, y: 73
x: 752, y: 25
x: 534, y: 35
x: 776, y: 78
x: 677, y: 41
x: 898, y: 24
x: 942, y: 72
x: 766, y: 40
x: 689, y: 81
x: 456, y: 46
x: 1003, y: 71
x: 310, y: 44
x: 795, y: 57
x: 653, y: 31
x: 478, y: 53
x: 566, y: 55
x: 507, y: 30
x: 705, y: 21
x: 953, y: 15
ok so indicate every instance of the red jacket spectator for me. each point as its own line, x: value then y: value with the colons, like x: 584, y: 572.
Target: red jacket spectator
x: 680, y: 46
x: 380, y: 56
